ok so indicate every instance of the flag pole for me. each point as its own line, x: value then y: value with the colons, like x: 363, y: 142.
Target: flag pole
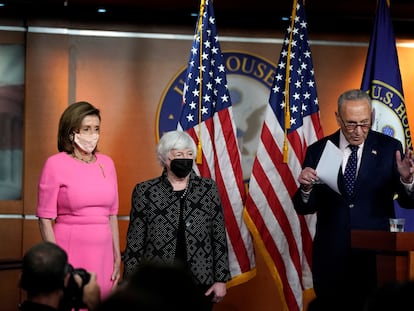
x: 221, y: 157
x: 200, y: 75
x: 287, y: 92
x: 269, y: 205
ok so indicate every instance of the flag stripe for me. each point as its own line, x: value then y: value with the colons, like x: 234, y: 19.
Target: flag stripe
x: 286, y: 237
x: 210, y: 122
x: 231, y: 186
x: 272, y: 235
x: 210, y: 150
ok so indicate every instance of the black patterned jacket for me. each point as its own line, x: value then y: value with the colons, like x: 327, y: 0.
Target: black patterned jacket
x: 154, y: 218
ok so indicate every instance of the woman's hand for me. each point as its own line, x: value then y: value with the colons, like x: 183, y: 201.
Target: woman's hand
x: 219, y: 289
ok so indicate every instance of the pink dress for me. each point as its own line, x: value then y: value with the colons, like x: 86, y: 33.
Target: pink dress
x: 80, y: 197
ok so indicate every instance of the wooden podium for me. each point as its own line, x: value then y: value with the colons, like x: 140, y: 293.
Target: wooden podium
x: 394, y: 253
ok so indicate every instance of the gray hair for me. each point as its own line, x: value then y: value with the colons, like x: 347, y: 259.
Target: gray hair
x: 174, y: 140
x: 354, y: 94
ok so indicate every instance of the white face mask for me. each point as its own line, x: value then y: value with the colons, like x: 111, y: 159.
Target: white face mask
x: 87, y: 142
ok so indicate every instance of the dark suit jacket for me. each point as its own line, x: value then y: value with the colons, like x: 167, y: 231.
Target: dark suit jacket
x: 154, y: 221
x: 370, y: 207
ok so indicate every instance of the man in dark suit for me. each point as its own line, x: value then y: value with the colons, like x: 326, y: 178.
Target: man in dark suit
x: 342, y: 275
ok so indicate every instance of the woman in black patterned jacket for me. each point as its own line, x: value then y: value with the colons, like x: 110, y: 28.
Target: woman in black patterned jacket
x: 178, y: 218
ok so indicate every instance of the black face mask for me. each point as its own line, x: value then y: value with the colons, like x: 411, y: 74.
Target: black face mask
x: 181, y: 167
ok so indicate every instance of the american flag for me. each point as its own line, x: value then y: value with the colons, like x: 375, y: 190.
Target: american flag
x: 207, y: 116
x: 291, y: 124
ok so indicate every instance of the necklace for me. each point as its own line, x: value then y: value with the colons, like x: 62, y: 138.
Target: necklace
x: 177, y: 183
x: 90, y: 160
x: 184, y: 193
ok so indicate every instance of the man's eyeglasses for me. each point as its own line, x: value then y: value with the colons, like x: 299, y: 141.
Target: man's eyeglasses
x: 351, y: 126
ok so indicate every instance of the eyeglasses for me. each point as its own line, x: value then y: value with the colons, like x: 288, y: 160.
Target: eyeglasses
x: 351, y: 126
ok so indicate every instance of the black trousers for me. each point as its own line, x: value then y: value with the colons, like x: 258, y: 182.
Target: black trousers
x: 350, y: 291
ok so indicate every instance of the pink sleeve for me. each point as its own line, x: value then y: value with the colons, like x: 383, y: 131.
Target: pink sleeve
x: 48, y: 189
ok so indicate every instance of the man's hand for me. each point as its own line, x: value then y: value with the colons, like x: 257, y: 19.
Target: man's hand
x: 405, y: 166
x: 307, y: 178
x: 91, y: 291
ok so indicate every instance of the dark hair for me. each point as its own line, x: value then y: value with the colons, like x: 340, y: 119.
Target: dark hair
x: 71, y: 121
x: 44, y: 268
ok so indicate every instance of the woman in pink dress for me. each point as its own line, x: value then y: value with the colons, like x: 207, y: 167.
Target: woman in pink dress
x: 78, y: 197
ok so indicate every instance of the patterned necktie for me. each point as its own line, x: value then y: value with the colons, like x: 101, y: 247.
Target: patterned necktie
x: 350, y: 170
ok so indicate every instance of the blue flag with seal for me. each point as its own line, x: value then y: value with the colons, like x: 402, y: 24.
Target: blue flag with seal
x: 382, y: 80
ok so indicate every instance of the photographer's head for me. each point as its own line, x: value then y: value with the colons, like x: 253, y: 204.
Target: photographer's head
x: 49, y: 279
x: 44, y: 268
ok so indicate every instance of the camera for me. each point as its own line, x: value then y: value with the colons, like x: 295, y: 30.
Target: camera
x: 73, y: 294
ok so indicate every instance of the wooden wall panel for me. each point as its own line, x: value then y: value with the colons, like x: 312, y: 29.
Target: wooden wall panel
x: 46, y: 98
x: 11, y: 207
x: 124, y: 87
x: 10, y: 250
x: 125, y: 78
x: 31, y: 234
x: 9, y: 290
x: 10, y: 243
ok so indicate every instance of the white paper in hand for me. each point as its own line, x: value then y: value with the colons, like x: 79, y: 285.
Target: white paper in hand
x: 329, y: 165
